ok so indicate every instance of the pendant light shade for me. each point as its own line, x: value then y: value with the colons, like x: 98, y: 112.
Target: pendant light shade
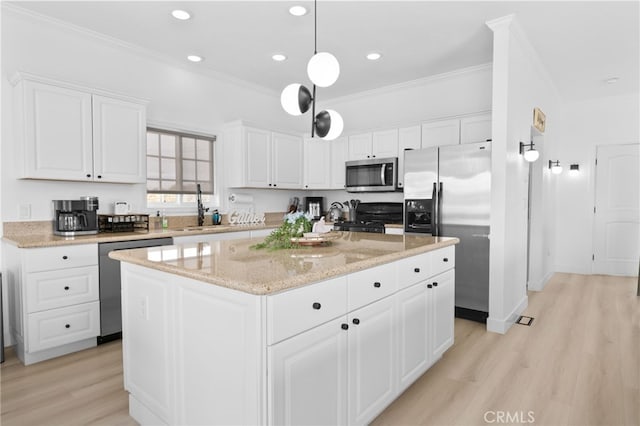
x: 323, y: 69
x: 296, y: 99
x: 329, y: 124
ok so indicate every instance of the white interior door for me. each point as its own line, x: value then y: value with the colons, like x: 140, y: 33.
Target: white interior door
x: 617, y: 210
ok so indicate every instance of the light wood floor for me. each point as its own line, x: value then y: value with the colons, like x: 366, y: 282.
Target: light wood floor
x: 578, y: 364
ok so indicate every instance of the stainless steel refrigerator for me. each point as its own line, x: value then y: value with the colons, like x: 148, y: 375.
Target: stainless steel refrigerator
x: 447, y: 192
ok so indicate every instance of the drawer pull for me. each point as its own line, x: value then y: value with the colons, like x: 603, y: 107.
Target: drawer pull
x: 345, y: 326
x: 377, y: 284
x: 316, y: 305
x: 65, y: 257
x: 66, y: 287
x: 67, y: 326
x: 435, y: 284
x: 356, y: 321
x: 446, y: 259
x: 416, y: 270
x: 429, y: 286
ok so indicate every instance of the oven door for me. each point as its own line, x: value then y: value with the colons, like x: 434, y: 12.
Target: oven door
x: 378, y: 175
x: 418, y: 216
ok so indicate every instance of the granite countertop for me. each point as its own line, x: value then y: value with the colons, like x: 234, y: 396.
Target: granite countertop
x: 233, y: 264
x: 49, y: 240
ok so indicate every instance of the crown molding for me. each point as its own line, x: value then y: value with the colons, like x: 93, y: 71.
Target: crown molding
x: 410, y: 84
x: 134, y: 48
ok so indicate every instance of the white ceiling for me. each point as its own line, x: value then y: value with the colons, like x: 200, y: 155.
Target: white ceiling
x: 581, y: 44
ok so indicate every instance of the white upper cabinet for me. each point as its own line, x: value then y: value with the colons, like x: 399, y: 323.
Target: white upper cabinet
x: 339, y: 154
x: 379, y: 144
x: 408, y: 138
x: 360, y: 146
x: 438, y: 133
x: 258, y: 158
x: 64, y: 132
x: 475, y: 129
x: 287, y: 158
x: 118, y: 127
x: 317, y: 163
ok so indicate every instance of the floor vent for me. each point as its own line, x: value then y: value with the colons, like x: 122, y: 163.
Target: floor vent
x: 525, y: 320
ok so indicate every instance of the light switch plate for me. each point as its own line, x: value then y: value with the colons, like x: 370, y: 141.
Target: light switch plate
x: 24, y: 211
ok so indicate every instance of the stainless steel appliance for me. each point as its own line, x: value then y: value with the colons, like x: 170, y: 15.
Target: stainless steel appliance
x: 75, y: 217
x: 371, y: 217
x: 315, y: 206
x: 448, y: 193
x: 109, y: 272
x: 374, y: 175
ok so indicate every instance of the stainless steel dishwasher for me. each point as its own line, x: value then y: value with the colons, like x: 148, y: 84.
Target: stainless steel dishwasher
x: 110, y: 304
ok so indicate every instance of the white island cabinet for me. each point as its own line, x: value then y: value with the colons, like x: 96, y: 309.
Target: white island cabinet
x: 218, y: 333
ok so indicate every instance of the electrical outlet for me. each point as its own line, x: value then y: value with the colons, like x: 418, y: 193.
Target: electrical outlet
x: 24, y: 211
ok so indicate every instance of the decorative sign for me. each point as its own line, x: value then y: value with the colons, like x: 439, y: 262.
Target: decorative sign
x: 245, y: 217
x: 539, y: 119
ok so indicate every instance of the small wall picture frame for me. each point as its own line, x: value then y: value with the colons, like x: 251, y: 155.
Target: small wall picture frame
x: 539, y: 119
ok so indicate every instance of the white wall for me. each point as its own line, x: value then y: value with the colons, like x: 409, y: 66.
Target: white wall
x: 585, y: 125
x: 519, y: 84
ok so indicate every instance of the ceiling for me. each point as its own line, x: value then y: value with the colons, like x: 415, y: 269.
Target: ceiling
x: 580, y: 43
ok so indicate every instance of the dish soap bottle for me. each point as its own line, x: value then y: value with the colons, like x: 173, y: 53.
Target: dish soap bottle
x: 165, y: 221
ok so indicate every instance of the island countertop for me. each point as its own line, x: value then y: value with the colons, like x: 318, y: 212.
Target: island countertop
x: 234, y: 264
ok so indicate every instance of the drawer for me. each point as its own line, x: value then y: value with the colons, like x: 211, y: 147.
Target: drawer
x: 58, y: 327
x: 443, y: 259
x: 50, y: 258
x: 370, y: 285
x: 64, y: 287
x: 295, y: 311
x: 414, y: 269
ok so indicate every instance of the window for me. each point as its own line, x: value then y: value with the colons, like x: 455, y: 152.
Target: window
x: 176, y: 163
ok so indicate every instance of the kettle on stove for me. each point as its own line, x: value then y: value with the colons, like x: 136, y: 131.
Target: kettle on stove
x: 335, y: 212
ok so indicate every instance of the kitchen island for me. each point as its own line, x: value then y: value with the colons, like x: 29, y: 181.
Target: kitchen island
x: 219, y: 333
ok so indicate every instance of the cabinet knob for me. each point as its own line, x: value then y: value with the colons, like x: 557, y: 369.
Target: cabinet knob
x: 65, y: 257
x: 269, y: 184
x: 446, y: 259
x: 66, y: 287
x: 416, y: 270
x: 373, y: 156
x: 275, y: 184
x: 345, y: 326
x: 368, y: 156
x: 435, y: 284
x: 88, y: 175
x: 306, y: 186
x: 377, y: 284
x: 316, y: 305
x: 429, y: 286
x: 99, y: 176
x: 67, y: 326
x: 356, y: 321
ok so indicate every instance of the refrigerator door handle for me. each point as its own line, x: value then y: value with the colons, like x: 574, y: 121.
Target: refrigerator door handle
x: 383, y: 169
x: 440, y: 210
x: 434, y: 212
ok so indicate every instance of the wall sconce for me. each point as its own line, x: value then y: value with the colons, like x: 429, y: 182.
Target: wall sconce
x: 531, y: 154
x: 574, y: 170
x: 555, y: 167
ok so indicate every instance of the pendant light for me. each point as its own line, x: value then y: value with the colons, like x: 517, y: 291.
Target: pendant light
x: 323, y: 70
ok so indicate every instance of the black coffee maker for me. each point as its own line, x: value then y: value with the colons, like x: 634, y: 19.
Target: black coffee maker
x: 76, y: 217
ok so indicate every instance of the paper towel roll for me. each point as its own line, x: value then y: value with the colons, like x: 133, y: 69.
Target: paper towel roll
x: 240, y: 199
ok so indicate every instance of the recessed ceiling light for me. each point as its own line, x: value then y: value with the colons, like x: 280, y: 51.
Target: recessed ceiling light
x: 298, y: 10
x: 195, y: 58
x: 278, y: 57
x: 374, y: 56
x: 612, y: 80
x: 182, y: 15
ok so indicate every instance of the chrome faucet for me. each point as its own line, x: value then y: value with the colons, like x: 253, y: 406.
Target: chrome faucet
x: 201, y: 208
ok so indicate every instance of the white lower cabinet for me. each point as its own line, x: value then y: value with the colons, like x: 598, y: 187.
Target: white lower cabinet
x: 372, y: 360
x: 308, y: 377
x: 443, y: 308
x: 413, y: 333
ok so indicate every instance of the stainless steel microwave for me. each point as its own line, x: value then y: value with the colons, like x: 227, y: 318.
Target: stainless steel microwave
x: 375, y: 175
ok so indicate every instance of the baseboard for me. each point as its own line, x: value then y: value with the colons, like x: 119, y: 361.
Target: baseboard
x: 502, y: 325
x: 142, y: 414
x: 29, y: 358
x: 539, y: 285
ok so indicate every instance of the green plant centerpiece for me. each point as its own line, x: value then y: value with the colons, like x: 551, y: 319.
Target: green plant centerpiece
x: 295, y: 224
